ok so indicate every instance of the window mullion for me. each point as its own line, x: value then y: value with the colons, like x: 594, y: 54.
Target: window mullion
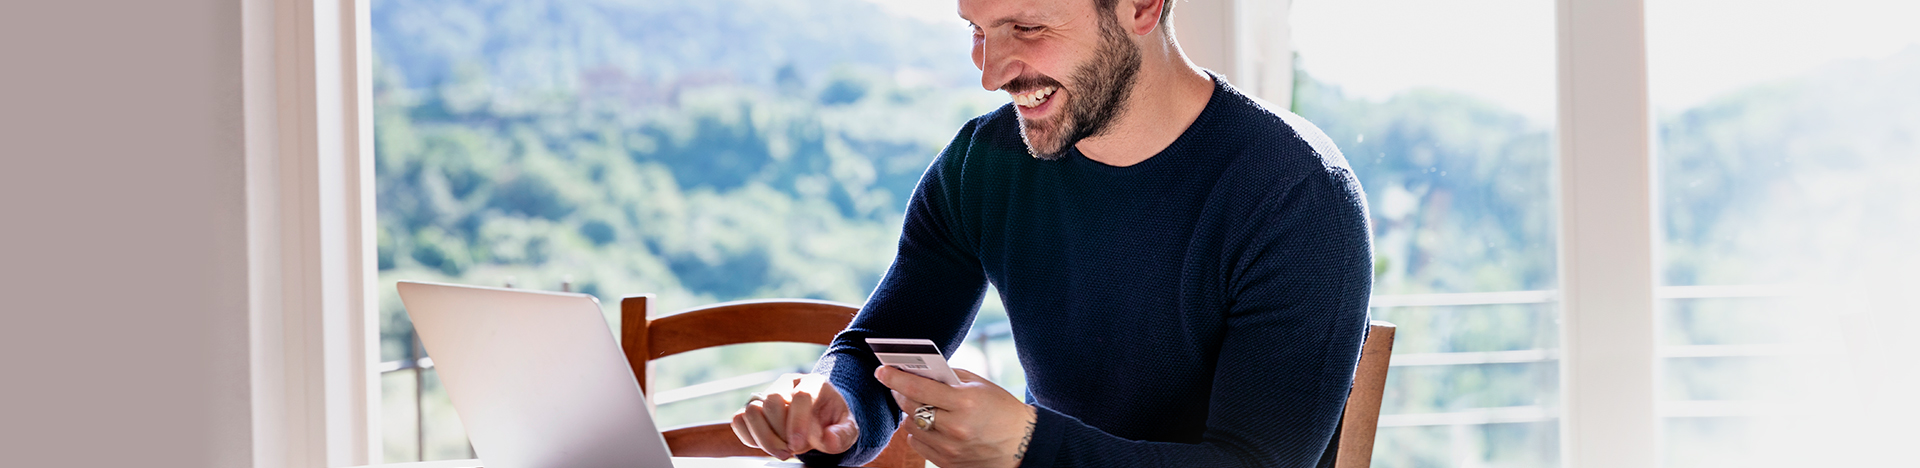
x: 1606, y: 229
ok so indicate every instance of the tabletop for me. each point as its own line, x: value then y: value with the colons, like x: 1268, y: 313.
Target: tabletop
x: 678, y: 462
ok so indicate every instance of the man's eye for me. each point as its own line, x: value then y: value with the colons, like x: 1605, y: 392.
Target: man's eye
x: 1026, y: 29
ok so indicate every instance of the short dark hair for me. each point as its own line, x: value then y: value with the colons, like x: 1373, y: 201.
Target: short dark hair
x: 1166, y: 11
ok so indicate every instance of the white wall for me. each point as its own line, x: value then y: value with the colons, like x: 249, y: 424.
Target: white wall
x: 123, y: 269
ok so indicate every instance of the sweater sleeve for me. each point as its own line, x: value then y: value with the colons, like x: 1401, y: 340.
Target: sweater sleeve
x: 1296, y: 316
x: 932, y: 291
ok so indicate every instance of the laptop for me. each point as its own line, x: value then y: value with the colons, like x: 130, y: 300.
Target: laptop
x: 539, y: 382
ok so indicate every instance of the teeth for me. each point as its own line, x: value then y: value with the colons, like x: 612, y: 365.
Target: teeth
x: 1033, y: 98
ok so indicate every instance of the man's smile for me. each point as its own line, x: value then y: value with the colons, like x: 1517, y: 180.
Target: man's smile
x: 1036, y: 104
x: 1034, y: 97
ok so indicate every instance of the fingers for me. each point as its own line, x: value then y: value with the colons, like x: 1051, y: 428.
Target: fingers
x: 919, y: 388
x: 906, y: 404
x: 931, y: 444
x: 777, y: 414
x: 795, y: 415
x: 840, y: 430
x: 840, y: 436
x: 763, y: 434
x: 740, y: 429
x: 802, y: 432
x: 938, y: 433
x: 922, y: 447
x: 967, y: 376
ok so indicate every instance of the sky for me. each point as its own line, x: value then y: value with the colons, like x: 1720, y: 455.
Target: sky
x: 937, y: 11
x: 1499, y: 50
x: 1503, y: 50
x: 1698, y: 49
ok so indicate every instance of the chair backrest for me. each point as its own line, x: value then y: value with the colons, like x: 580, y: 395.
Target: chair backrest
x: 1354, y: 439
x: 645, y: 338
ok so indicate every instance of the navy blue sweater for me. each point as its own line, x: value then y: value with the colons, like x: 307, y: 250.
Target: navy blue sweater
x: 1204, y: 307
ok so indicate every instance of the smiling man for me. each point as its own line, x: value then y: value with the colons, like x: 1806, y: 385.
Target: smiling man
x: 1186, y: 269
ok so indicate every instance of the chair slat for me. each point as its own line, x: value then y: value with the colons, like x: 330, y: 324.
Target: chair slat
x: 1362, y: 416
x: 768, y: 321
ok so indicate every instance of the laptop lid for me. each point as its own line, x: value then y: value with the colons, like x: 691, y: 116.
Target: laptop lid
x: 537, y: 377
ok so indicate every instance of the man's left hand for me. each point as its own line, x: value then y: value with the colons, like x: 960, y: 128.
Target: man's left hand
x: 976, y: 423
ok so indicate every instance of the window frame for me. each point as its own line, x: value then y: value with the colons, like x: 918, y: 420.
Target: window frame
x: 306, y: 80
x: 1607, y: 236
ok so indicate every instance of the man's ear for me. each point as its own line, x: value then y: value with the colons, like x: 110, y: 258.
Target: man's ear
x: 1144, y: 15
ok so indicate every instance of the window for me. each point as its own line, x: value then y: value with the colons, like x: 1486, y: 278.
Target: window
x: 1446, y: 112
x: 1785, y: 156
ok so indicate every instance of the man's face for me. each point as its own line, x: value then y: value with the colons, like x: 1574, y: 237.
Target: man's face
x: 1067, y: 66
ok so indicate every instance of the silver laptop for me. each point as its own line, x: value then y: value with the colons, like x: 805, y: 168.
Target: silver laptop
x: 539, y: 381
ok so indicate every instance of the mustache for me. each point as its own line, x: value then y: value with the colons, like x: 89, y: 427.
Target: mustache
x: 1030, y: 83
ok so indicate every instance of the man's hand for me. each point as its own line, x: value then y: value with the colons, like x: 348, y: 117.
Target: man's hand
x: 798, y: 413
x: 977, y: 424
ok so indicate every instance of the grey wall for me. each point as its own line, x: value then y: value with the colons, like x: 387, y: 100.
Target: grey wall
x: 123, y: 321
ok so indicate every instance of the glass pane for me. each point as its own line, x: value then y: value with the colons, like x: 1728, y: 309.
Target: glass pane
x: 1445, y: 111
x: 701, y: 151
x: 1786, y: 153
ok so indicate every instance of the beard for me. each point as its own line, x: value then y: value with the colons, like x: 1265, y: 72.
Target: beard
x: 1099, y: 94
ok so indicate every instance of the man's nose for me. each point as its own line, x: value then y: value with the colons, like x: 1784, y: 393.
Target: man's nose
x: 999, y: 59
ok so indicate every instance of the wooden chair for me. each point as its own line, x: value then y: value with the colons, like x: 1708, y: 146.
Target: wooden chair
x: 1353, y: 440
x: 645, y: 338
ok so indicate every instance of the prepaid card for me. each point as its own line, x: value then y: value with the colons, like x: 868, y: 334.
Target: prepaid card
x: 919, y: 356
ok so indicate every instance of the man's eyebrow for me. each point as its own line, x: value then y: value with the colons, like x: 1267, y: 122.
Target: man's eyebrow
x: 1019, y: 18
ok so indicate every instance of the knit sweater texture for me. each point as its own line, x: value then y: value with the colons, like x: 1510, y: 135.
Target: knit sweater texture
x: 1202, y: 308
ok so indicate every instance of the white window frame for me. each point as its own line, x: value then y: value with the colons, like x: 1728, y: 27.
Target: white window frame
x: 307, y: 81
x: 1607, y: 236
x: 311, y: 249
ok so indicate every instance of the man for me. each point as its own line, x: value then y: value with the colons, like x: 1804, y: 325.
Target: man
x: 1186, y: 271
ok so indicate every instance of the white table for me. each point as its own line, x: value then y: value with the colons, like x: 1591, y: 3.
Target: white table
x: 678, y: 462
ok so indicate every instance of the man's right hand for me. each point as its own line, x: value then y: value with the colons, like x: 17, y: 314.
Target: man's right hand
x: 798, y: 413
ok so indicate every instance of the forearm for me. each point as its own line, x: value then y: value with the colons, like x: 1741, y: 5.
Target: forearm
x: 1060, y: 440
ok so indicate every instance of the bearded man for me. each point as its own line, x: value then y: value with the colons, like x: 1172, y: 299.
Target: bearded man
x: 1185, y: 268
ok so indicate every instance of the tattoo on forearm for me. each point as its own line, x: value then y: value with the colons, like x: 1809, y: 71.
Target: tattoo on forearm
x: 1022, y: 452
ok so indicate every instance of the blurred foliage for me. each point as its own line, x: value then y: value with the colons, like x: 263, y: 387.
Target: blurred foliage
x: 1807, y: 180
x: 726, y: 192
x: 528, y: 49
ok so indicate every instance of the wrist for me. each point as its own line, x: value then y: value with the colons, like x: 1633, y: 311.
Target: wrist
x: 1033, y: 420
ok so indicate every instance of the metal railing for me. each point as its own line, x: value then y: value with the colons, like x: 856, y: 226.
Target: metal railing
x: 1532, y: 414
x: 980, y: 337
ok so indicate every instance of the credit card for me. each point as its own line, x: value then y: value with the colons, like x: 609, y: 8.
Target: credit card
x: 919, y: 356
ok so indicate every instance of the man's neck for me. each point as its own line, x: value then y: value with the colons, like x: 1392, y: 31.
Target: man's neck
x: 1167, y: 97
